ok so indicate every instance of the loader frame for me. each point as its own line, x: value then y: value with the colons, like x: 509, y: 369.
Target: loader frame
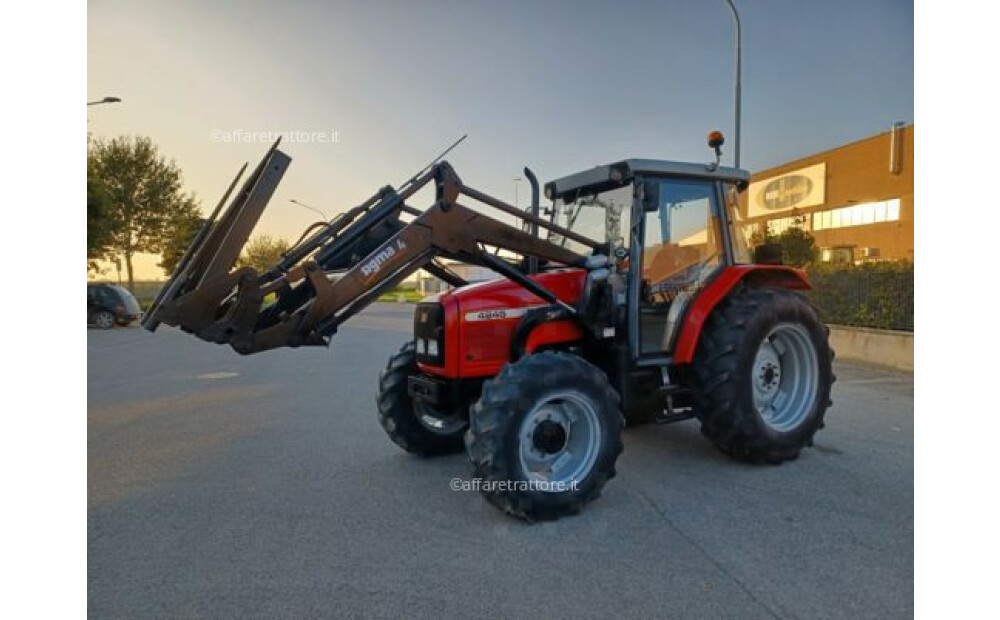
x: 369, y: 247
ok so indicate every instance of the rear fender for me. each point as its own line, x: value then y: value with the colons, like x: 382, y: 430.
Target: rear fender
x: 774, y: 276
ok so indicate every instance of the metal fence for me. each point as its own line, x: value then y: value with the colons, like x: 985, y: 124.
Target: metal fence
x: 878, y: 296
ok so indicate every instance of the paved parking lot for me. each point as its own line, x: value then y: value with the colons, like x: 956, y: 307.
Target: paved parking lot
x: 262, y: 486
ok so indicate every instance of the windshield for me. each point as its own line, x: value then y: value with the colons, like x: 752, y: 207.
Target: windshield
x: 603, y: 217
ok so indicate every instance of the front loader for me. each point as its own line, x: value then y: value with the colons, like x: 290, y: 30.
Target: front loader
x: 633, y: 298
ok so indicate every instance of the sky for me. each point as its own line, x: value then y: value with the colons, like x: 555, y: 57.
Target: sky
x: 376, y: 89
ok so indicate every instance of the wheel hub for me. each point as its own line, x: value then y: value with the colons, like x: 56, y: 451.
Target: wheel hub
x: 770, y: 376
x: 549, y: 437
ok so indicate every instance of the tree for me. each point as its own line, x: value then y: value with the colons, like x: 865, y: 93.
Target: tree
x: 144, y: 196
x: 98, y: 225
x: 180, y: 233
x: 262, y: 252
x: 798, y: 246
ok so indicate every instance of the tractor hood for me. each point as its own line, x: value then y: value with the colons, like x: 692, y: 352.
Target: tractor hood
x: 502, y: 294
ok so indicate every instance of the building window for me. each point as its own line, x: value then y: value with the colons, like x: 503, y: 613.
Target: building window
x: 844, y: 254
x: 857, y: 215
x: 781, y: 224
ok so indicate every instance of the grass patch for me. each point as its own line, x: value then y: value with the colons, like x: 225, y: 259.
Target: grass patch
x: 407, y: 294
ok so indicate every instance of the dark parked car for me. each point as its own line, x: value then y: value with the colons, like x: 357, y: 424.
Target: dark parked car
x: 108, y: 304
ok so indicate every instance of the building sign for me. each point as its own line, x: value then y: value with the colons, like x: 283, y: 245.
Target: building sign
x: 805, y: 187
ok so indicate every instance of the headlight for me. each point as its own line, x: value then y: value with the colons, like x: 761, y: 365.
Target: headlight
x: 432, y: 348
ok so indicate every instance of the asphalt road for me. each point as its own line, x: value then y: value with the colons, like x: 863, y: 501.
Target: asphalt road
x: 262, y: 486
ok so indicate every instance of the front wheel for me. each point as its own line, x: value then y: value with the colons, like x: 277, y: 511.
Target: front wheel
x: 544, y: 437
x: 414, y: 425
x: 763, y: 375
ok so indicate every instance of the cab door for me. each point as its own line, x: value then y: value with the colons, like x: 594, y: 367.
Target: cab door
x: 680, y: 248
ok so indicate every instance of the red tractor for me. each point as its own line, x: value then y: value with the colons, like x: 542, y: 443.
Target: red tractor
x: 641, y: 302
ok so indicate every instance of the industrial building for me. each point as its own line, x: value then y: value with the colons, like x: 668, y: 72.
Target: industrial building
x: 856, y: 200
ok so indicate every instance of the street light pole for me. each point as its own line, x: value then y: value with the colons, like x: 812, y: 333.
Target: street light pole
x: 736, y: 19
x: 105, y: 100
x: 305, y: 206
x: 517, y: 184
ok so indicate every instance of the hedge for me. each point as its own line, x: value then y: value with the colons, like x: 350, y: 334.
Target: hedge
x: 878, y: 295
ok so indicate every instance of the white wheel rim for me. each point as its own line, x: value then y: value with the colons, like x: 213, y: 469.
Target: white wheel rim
x: 558, y: 440
x: 785, y: 377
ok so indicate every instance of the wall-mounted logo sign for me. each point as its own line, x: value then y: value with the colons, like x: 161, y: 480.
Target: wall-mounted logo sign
x: 805, y: 187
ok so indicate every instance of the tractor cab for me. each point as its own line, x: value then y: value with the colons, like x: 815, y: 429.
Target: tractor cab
x: 670, y: 228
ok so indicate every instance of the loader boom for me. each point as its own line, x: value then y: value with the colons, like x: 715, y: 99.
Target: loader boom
x: 339, y: 267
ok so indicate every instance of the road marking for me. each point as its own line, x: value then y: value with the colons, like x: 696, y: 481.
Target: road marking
x: 212, y: 376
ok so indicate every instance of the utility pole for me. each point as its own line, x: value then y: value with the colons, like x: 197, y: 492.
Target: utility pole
x: 517, y: 184
x: 736, y: 144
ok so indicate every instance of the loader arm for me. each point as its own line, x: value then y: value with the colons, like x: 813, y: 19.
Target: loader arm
x: 338, y: 268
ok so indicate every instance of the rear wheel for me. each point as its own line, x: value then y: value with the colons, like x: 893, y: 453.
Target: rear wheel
x: 414, y: 425
x: 763, y: 375
x: 545, y: 435
x: 104, y: 319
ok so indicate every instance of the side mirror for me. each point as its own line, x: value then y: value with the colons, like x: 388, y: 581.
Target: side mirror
x: 767, y: 254
x: 651, y: 196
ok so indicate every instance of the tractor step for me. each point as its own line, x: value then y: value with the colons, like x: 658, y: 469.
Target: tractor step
x: 677, y: 415
x: 670, y: 413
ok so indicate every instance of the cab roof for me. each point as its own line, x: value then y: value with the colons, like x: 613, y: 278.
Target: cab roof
x: 609, y: 176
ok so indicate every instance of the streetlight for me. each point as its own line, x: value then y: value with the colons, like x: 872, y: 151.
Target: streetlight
x: 736, y: 144
x: 305, y: 206
x: 517, y: 181
x: 105, y: 100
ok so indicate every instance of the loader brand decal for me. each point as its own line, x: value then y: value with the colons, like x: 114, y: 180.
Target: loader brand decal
x: 805, y: 187
x: 499, y: 314
x: 383, y: 255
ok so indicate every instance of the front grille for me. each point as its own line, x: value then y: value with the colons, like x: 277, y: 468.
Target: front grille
x: 428, y: 331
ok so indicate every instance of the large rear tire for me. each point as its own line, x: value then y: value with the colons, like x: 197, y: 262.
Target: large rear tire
x: 762, y: 375
x: 544, y: 437
x: 415, y: 426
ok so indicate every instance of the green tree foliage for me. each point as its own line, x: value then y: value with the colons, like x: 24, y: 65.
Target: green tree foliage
x: 98, y: 224
x: 144, y: 197
x: 179, y: 235
x: 798, y: 246
x: 262, y: 252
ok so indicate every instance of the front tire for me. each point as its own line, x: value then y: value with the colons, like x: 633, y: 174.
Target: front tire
x: 545, y: 435
x: 412, y: 425
x: 762, y: 375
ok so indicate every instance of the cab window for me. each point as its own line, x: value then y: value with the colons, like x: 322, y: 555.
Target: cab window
x: 682, y: 248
